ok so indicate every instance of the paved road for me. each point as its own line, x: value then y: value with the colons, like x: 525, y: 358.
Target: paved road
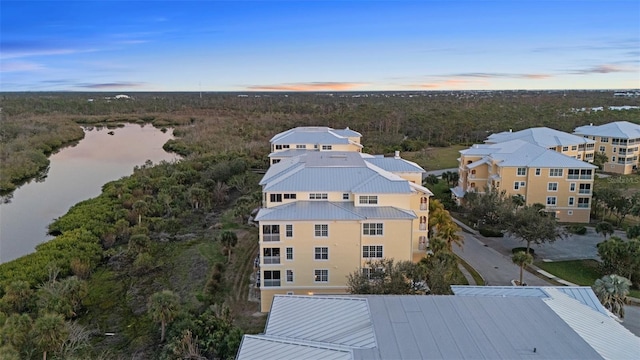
x: 495, y: 268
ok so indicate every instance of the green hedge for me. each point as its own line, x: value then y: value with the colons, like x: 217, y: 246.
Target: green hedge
x: 490, y: 232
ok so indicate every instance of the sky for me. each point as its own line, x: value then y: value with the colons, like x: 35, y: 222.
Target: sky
x: 120, y: 46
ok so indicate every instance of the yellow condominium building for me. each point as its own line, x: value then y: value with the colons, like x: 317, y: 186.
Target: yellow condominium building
x: 561, y: 183
x: 300, y: 140
x: 574, y: 146
x: 619, y: 141
x: 327, y: 214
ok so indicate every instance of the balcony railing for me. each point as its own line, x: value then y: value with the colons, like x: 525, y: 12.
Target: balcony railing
x: 583, y: 205
x: 423, y: 206
x: 271, y: 260
x: 270, y: 237
x: 271, y: 282
x: 584, y: 191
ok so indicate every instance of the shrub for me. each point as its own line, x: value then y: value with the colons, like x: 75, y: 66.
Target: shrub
x: 577, y: 229
x: 490, y: 232
x: 522, y: 249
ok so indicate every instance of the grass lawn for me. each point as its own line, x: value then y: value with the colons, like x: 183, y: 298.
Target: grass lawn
x: 581, y: 272
x: 436, y: 158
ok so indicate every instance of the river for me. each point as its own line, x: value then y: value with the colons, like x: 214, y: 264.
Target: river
x: 75, y: 174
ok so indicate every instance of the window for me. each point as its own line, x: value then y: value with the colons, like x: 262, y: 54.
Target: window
x: 368, y: 199
x: 571, y: 200
x: 604, y: 139
x: 289, y: 253
x: 345, y: 196
x: 574, y: 147
x: 585, y: 174
x: 326, y: 147
x: 270, y: 232
x: 275, y: 161
x: 372, y: 229
x: 584, y: 189
x: 289, y: 196
x: 285, y: 146
x: 555, y: 172
x: 565, y: 148
x: 321, y: 230
x: 276, y: 197
x: 522, y: 171
x: 602, y: 149
x: 423, y: 223
x: 301, y: 146
x: 278, y: 147
x: 271, y: 256
x: 321, y: 253
x: 614, y: 149
x: 318, y: 196
x: 321, y: 275
x: 422, y: 243
x: 570, y: 212
x: 552, y: 186
x: 288, y: 230
x: 372, y: 251
x: 537, y: 172
x: 271, y: 278
x: 583, y: 202
x: 572, y: 187
x: 551, y: 200
x: 289, y: 275
x: 518, y: 184
x: 613, y: 159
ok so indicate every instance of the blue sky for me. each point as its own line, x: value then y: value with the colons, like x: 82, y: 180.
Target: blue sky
x: 318, y: 45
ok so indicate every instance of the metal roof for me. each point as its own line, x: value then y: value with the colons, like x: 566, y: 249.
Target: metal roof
x: 266, y: 348
x: 393, y: 164
x: 341, y: 321
x: 604, y: 334
x: 521, y: 153
x: 315, y: 135
x: 583, y: 294
x: 290, y: 153
x: 421, y: 327
x: 326, y: 210
x: 542, y: 136
x: 617, y: 129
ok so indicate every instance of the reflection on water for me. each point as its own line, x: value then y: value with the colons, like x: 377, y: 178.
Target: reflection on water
x: 76, y: 173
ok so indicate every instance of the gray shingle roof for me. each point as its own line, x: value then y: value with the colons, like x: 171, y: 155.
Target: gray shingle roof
x: 325, y: 210
x: 542, y: 136
x: 617, y: 129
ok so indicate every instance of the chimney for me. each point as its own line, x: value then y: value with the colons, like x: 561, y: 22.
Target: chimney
x: 397, y: 155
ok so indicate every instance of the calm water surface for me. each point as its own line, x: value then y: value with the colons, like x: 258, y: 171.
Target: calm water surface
x: 75, y: 174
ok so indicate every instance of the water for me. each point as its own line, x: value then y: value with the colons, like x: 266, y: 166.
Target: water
x: 75, y: 174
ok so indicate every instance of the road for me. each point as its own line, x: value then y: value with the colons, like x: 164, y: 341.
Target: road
x: 497, y: 269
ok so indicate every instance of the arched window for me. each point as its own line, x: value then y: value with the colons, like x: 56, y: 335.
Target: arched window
x: 423, y: 203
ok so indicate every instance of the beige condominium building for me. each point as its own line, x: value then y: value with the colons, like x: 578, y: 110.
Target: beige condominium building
x: 562, y: 183
x: 619, y: 141
x: 326, y: 214
x: 301, y: 140
x: 574, y: 146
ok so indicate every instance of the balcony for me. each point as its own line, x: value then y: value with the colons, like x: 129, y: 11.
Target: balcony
x: 271, y: 282
x: 584, y: 191
x: 583, y: 205
x: 271, y: 260
x: 423, y: 206
x: 270, y: 237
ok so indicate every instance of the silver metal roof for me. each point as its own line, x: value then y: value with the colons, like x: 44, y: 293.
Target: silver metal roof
x: 339, y: 321
x: 604, y: 334
x: 542, y: 136
x: 521, y: 153
x: 393, y: 164
x: 429, y: 327
x: 314, y: 135
x: 583, y: 294
x: 290, y: 153
x: 617, y: 129
x: 273, y: 348
x: 326, y: 210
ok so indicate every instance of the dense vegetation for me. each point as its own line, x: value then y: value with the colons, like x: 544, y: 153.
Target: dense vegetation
x: 149, y: 253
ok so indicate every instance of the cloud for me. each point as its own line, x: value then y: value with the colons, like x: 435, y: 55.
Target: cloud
x: 111, y: 86
x: 16, y: 66
x: 310, y: 86
x: 602, y: 69
x: 500, y: 75
x: 450, y: 84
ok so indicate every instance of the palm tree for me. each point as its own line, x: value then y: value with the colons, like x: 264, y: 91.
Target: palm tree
x: 49, y: 333
x: 163, y: 307
x: 605, y: 228
x: 140, y: 207
x: 612, y: 292
x: 229, y: 239
x: 522, y: 259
